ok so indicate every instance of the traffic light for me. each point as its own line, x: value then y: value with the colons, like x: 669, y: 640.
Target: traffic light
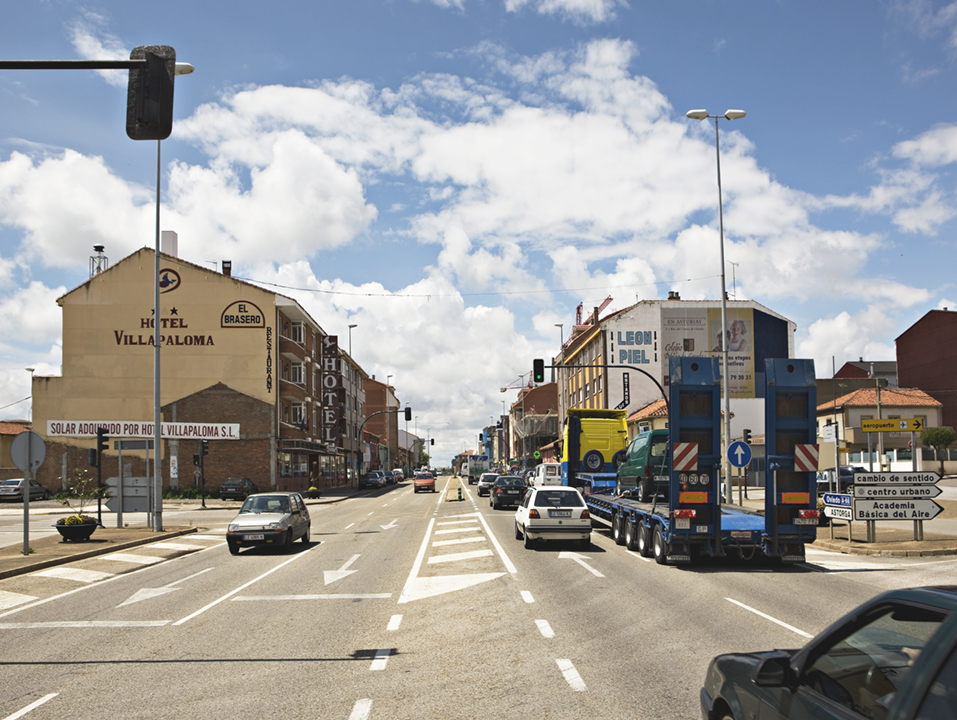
x: 747, y: 436
x: 204, y: 447
x: 196, y: 460
x: 149, y: 94
x: 408, y: 413
x: 431, y: 441
x: 92, y: 457
x: 102, y: 442
x: 538, y: 370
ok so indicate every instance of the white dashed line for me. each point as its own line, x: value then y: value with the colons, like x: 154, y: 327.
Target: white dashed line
x: 571, y: 675
x: 361, y: 709
x: 30, y: 707
x: 527, y: 597
x: 545, y: 629
x: 394, y: 623
x: 381, y: 658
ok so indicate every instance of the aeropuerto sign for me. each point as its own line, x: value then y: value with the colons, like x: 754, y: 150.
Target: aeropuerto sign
x: 135, y: 429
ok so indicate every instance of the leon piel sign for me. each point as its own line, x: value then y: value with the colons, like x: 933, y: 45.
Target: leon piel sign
x: 134, y: 429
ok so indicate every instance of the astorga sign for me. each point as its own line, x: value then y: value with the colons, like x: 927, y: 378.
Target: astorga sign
x: 331, y: 381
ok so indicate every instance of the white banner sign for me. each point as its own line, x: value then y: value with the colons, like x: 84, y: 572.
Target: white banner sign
x: 133, y: 429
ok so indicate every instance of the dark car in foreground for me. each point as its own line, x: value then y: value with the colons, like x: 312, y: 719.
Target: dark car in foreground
x: 277, y: 519
x: 826, y: 480
x: 893, y: 658
x: 237, y: 489
x: 507, y: 490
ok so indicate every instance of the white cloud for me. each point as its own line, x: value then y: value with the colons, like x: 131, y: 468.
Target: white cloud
x: 845, y: 337
x: 580, y: 11
x: 93, y: 43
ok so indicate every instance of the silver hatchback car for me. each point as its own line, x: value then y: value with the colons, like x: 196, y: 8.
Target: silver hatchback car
x: 275, y: 519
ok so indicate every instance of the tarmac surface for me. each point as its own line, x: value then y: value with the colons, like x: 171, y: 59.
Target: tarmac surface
x: 896, y: 540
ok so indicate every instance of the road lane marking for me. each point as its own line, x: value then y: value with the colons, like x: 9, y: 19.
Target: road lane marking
x: 76, y: 574
x: 330, y: 576
x: 472, y: 521
x: 545, y: 629
x: 571, y: 675
x: 327, y: 596
x: 394, y: 623
x: 149, y: 593
x: 135, y: 559
x: 458, y: 530
x: 12, y: 599
x: 31, y: 706
x: 460, y: 541
x: 361, y: 710
x: 349, y: 525
x: 513, y: 571
x: 175, y: 546
x: 80, y: 624
x: 527, y: 597
x: 381, y: 658
x: 768, y: 617
x: 455, y: 557
x: 580, y: 559
x: 228, y: 595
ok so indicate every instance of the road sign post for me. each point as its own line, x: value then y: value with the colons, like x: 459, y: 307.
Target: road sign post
x: 896, y: 496
x: 27, y: 451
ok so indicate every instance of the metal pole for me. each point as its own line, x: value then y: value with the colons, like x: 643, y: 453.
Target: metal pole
x: 157, y: 430
x: 26, y: 485
x: 725, y: 464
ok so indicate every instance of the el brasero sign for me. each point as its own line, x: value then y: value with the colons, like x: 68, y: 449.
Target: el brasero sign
x: 134, y: 429
x: 331, y: 381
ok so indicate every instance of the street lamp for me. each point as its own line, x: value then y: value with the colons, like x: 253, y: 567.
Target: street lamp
x: 729, y: 115
x: 561, y: 349
x: 350, y: 338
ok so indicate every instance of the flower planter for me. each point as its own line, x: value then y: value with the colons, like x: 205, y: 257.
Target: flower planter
x: 76, y: 533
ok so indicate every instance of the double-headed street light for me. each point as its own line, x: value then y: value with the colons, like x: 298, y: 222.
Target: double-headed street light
x: 729, y: 115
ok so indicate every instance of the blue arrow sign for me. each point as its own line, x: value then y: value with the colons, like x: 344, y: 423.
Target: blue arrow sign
x: 739, y: 454
x: 835, y: 500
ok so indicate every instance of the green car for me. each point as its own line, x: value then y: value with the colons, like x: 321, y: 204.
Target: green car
x: 647, y: 459
x: 893, y: 658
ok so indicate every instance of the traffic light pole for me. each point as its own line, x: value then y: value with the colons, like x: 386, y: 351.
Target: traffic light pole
x: 614, y: 367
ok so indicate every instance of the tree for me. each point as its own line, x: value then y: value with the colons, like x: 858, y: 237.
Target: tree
x: 939, y: 438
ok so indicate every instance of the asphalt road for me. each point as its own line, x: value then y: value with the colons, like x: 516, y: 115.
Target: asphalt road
x: 405, y: 606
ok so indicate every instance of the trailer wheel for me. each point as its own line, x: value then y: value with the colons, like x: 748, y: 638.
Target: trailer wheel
x: 661, y: 550
x: 644, y: 540
x: 617, y: 532
x: 631, y: 539
x: 593, y: 461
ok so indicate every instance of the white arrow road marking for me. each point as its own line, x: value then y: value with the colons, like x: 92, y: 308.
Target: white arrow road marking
x: 580, y: 559
x: 330, y: 576
x: 30, y: 707
x: 571, y: 675
x: 389, y: 526
x: 148, y: 593
x: 418, y: 588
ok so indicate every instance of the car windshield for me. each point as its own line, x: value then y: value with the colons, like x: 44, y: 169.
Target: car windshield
x: 12, y: 483
x: 558, y: 498
x: 509, y: 480
x: 265, y: 504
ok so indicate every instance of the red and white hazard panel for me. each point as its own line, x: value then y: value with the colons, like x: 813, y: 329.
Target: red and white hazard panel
x: 685, y: 456
x: 805, y: 457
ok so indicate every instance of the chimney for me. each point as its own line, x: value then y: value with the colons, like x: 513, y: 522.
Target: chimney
x: 228, y: 268
x: 169, y: 243
x: 595, y: 317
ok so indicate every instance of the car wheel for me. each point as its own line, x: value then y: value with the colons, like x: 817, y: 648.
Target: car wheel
x: 616, y: 530
x: 586, y: 543
x: 233, y: 548
x: 630, y: 539
x: 644, y: 540
x: 593, y: 461
x: 287, y: 543
x: 644, y: 491
x: 305, y: 535
x: 618, y: 458
x: 518, y: 532
x: 528, y: 540
x: 658, y: 542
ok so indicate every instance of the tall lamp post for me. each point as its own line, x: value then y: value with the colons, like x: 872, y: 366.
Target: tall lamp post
x: 561, y: 349
x: 728, y: 115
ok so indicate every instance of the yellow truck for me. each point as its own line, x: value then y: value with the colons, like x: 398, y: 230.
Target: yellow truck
x: 593, y: 441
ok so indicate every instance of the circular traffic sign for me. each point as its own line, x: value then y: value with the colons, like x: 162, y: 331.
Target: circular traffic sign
x: 739, y: 454
x: 30, y: 444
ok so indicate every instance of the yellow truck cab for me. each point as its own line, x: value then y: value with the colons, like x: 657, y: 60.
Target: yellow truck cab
x: 594, y: 441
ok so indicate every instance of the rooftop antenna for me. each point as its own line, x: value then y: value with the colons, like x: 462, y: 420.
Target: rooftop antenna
x: 98, y: 262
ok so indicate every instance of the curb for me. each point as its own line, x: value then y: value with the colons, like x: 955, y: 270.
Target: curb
x: 93, y: 553
x: 844, y: 548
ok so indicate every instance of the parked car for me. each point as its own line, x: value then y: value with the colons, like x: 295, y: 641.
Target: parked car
x: 508, y: 490
x: 894, y: 657
x: 390, y: 478
x: 825, y: 479
x: 423, y: 481
x: 486, y: 480
x: 237, y: 489
x: 12, y: 490
x: 372, y: 479
x: 275, y: 519
x: 398, y: 474
x: 553, y: 513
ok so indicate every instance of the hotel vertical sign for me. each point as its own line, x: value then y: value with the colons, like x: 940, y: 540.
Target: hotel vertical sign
x: 331, y: 381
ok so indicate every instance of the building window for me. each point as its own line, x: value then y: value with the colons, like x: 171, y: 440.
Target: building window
x: 297, y: 333
x: 298, y: 414
x: 285, y: 464
x: 299, y: 373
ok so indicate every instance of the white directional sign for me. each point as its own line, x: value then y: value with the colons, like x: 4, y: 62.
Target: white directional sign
x: 896, y: 509
x: 896, y: 478
x: 839, y: 513
x: 896, y: 491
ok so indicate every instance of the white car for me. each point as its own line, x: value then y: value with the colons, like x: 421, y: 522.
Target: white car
x: 277, y: 519
x: 553, y: 513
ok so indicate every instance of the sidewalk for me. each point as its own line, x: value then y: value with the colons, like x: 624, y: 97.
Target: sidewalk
x: 52, y: 550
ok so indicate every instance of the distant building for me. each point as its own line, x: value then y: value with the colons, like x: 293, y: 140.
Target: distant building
x: 9, y: 429
x: 927, y: 359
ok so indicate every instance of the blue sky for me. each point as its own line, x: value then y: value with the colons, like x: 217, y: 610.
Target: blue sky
x: 456, y: 176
